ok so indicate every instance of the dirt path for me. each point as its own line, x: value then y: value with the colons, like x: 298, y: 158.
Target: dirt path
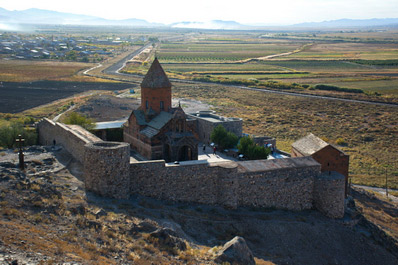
x: 56, y: 118
x: 382, y: 191
x: 272, y: 56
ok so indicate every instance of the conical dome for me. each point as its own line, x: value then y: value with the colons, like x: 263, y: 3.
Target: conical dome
x: 156, y: 77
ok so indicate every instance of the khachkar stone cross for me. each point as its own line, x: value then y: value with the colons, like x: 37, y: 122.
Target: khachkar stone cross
x: 20, y: 141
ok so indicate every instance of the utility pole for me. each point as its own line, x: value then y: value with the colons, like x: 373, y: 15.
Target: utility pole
x: 386, y: 183
x: 391, y: 164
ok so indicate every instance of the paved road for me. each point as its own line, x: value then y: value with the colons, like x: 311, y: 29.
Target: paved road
x: 115, y: 68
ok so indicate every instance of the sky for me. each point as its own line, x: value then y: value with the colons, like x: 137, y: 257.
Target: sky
x: 265, y: 12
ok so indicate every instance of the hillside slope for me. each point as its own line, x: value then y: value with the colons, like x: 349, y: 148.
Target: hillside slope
x: 47, y: 217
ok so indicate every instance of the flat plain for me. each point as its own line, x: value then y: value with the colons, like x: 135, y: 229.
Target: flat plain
x: 50, y: 218
x: 359, y: 60
x: 367, y: 61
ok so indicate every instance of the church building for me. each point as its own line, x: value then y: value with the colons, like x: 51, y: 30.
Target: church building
x: 156, y: 130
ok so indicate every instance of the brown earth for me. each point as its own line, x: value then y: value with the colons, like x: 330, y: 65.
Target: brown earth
x: 17, y: 97
x: 108, y: 108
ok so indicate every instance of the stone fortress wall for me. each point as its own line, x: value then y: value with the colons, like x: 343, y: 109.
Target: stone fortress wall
x: 266, y: 184
x: 289, y: 183
x: 71, y: 137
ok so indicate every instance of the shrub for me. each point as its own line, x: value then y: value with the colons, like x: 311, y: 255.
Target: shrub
x: 8, y: 135
x: 252, y: 151
x: 78, y: 119
x: 339, y: 89
x: 341, y: 141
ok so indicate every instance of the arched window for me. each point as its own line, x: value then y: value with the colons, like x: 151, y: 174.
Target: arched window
x: 180, y: 126
x: 161, y: 105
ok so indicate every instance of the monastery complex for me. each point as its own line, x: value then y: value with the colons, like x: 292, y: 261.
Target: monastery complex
x: 314, y: 176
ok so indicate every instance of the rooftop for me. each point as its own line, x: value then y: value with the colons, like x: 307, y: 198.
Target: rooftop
x: 309, y: 144
x: 156, y: 77
x: 211, y: 116
x: 271, y: 164
x: 109, y: 124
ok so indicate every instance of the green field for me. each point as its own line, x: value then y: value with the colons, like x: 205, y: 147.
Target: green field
x: 220, y: 51
x: 367, y: 61
x: 387, y: 87
x: 208, y: 68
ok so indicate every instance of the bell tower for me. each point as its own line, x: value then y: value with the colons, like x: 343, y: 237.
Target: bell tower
x: 156, y: 89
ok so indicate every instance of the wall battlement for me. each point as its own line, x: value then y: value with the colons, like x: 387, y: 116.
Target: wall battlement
x: 288, y: 183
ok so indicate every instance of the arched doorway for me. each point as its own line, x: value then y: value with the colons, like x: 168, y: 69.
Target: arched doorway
x: 185, y: 153
x: 167, y: 153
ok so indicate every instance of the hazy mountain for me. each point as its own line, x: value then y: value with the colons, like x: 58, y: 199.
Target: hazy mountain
x: 40, y: 16
x: 340, y: 23
x: 214, y: 24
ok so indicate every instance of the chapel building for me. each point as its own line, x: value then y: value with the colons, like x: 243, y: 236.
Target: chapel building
x: 156, y: 130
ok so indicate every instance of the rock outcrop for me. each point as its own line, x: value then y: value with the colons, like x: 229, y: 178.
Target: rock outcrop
x: 236, y: 251
x: 169, y: 238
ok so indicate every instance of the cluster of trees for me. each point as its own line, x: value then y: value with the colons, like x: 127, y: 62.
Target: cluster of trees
x: 246, y: 145
x: 223, y: 138
x: 251, y: 150
x: 9, y: 133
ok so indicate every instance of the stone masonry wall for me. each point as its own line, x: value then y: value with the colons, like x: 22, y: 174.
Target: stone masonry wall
x: 230, y: 184
x: 290, y: 189
x: 106, y: 169
x: 329, y: 194
x: 69, y: 138
x: 203, y: 183
x: 290, y: 183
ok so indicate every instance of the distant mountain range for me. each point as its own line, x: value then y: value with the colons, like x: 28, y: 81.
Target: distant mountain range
x: 41, y: 16
x: 214, y: 24
x: 374, y: 22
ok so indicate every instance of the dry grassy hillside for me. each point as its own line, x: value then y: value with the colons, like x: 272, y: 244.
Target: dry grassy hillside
x: 46, y: 217
x: 366, y: 132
